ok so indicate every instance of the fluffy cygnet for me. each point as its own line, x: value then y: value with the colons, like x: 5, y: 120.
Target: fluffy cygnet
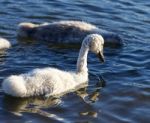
x: 65, y: 32
x: 52, y: 81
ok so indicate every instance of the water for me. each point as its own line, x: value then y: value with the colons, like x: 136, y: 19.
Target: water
x: 126, y: 96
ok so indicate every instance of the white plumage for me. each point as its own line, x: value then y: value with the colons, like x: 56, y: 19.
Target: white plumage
x: 4, y: 44
x: 52, y: 81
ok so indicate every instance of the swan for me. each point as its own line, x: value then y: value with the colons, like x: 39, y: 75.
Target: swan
x: 4, y: 44
x: 51, y: 81
x: 65, y: 32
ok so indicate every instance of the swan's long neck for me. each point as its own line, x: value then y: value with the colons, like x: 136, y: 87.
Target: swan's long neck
x: 82, y: 60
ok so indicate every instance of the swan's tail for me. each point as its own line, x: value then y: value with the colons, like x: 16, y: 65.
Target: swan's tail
x: 14, y: 86
x: 27, y: 25
x: 26, y: 30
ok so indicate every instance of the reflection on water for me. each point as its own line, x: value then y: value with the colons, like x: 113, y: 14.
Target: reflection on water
x: 2, y: 56
x: 40, y: 105
x: 30, y: 105
x: 19, y: 104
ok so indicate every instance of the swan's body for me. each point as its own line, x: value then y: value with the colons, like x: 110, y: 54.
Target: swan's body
x: 51, y: 81
x: 65, y: 32
x: 4, y: 44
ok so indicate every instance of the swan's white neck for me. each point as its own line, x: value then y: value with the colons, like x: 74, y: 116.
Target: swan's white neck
x: 82, y: 60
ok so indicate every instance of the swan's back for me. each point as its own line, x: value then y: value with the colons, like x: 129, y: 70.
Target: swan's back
x: 76, y: 24
x: 52, y: 81
x: 64, y: 31
x: 44, y: 81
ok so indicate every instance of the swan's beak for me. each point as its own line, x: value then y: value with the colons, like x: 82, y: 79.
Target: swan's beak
x: 101, y: 56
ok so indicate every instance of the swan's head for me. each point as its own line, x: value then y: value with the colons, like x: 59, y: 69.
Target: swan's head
x: 25, y: 30
x: 95, y: 43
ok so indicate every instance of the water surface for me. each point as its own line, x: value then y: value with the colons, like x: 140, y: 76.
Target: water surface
x: 126, y: 96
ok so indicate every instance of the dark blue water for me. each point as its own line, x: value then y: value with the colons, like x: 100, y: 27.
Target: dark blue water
x: 126, y: 96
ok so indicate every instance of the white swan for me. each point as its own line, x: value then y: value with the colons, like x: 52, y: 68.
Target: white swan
x: 52, y: 81
x: 65, y: 32
x: 4, y: 44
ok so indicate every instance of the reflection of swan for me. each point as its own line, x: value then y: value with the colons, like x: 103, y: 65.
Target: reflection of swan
x: 13, y: 104
x: 31, y: 105
x: 91, y: 97
x: 4, y: 44
x: 51, y: 81
x: 65, y: 32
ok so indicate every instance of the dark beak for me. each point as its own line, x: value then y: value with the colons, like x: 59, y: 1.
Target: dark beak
x: 101, y: 56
